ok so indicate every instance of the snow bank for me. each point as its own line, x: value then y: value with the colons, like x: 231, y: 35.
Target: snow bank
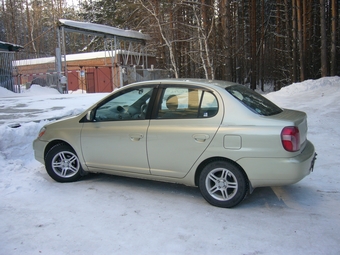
x: 317, y: 91
x: 5, y: 92
x: 319, y: 86
x: 38, y: 90
x: 113, y: 215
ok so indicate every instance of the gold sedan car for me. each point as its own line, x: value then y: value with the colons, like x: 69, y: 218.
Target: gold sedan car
x: 219, y: 136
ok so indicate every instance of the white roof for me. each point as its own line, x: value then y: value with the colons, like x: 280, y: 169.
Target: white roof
x: 101, y: 30
x: 72, y: 57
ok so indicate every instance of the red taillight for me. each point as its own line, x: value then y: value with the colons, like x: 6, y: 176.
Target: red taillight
x: 290, y: 137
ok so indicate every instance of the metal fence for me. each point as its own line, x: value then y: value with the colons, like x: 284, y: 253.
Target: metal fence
x: 131, y: 74
x: 40, y: 71
x: 7, y: 70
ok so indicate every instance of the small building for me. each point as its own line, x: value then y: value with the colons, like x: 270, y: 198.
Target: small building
x: 94, y: 72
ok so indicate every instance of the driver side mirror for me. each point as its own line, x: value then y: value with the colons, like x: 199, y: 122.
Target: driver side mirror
x: 90, y: 115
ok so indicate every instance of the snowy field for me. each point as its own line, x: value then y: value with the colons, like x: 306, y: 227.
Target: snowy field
x: 104, y: 214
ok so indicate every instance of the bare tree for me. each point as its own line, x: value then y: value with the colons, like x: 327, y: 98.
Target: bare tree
x: 324, y: 69
x: 299, y: 9
x: 164, y: 30
x: 333, y: 37
x: 204, y: 32
x: 294, y: 40
x: 253, y: 43
x: 278, y: 51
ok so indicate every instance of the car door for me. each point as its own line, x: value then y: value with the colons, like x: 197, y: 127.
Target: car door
x: 116, y: 138
x: 183, y: 125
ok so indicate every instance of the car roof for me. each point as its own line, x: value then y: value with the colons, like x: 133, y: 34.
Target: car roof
x: 189, y: 81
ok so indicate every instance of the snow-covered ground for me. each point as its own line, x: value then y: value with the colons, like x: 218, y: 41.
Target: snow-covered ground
x: 114, y: 215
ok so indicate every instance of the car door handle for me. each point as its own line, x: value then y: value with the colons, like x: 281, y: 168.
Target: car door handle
x: 136, y: 137
x: 200, y: 138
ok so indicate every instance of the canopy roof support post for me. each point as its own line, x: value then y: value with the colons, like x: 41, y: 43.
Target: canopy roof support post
x: 112, y: 66
x: 116, y: 66
x: 145, y: 56
x: 64, y: 61
x: 61, y: 64
x: 58, y: 61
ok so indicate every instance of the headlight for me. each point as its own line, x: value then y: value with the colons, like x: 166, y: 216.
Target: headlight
x: 42, y: 132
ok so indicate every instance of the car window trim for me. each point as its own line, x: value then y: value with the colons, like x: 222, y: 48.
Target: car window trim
x: 160, y: 92
x: 124, y: 91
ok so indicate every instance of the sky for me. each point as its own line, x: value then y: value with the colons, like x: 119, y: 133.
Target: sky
x: 104, y: 214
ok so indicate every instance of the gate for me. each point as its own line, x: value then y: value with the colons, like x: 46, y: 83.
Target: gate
x: 6, y: 71
x: 90, y: 85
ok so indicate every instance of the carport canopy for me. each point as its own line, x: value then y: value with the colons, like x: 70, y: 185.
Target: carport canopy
x: 133, y: 41
x: 102, y: 30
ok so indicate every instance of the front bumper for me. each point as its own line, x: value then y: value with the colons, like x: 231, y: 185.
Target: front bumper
x: 39, y: 148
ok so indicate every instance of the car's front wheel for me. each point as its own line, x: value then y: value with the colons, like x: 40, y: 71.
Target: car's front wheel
x: 62, y: 164
x: 223, y: 184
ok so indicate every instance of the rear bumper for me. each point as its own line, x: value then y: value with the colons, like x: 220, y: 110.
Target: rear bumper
x: 263, y: 172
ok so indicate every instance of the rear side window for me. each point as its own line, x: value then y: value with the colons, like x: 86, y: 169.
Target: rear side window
x: 187, y: 103
x: 253, y: 100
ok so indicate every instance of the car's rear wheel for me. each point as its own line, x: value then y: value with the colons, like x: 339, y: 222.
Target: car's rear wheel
x: 62, y: 164
x: 223, y: 184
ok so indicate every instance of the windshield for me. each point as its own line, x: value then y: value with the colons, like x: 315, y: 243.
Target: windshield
x: 253, y: 100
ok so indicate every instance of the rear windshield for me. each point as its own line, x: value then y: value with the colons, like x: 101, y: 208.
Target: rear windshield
x: 253, y: 100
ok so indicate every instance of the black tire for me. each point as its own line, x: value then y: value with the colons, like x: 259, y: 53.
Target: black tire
x: 223, y: 184
x: 62, y: 164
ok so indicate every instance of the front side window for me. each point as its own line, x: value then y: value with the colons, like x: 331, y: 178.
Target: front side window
x: 185, y: 103
x: 127, y: 106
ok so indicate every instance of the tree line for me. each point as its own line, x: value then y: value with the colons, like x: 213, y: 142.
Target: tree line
x: 255, y: 42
